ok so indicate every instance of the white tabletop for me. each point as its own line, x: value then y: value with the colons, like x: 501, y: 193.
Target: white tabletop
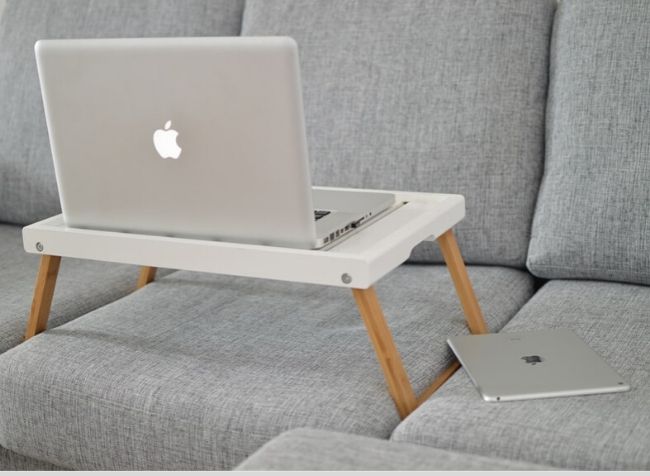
x: 356, y: 262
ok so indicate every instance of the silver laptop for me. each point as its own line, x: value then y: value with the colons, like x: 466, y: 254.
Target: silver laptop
x: 535, y: 364
x: 197, y: 137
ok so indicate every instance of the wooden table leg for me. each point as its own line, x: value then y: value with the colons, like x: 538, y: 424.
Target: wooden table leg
x: 456, y: 267
x: 397, y: 379
x: 147, y: 275
x: 437, y: 383
x: 43, y: 293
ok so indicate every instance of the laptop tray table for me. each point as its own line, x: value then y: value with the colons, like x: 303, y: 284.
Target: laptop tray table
x: 356, y: 262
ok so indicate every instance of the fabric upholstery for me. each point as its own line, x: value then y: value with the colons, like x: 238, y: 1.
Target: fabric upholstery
x: 81, y: 286
x: 28, y: 189
x: 10, y: 461
x: 197, y: 371
x: 431, y: 96
x: 592, y: 219
x: 597, y: 432
x: 317, y: 450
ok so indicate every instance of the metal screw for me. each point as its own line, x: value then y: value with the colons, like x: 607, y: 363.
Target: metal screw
x: 39, y: 246
x: 346, y: 278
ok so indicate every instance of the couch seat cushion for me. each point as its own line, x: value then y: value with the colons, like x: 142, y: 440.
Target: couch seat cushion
x: 10, y: 461
x: 81, y: 287
x: 197, y: 371
x: 28, y: 189
x: 430, y: 96
x: 306, y: 449
x: 597, y: 432
x: 592, y: 219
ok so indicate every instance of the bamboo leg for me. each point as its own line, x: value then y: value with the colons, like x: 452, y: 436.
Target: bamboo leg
x: 391, y: 363
x: 147, y: 275
x: 43, y: 293
x: 437, y: 383
x: 458, y: 272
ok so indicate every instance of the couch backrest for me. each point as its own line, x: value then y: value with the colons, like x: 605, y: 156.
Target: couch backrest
x: 593, y: 214
x: 444, y: 95
x: 435, y: 96
x: 27, y: 186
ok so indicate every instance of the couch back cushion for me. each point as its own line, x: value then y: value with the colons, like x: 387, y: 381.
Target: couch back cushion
x: 593, y: 214
x: 27, y: 185
x: 426, y: 95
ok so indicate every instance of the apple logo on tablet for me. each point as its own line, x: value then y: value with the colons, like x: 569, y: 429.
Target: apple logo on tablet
x: 164, y: 140
x: 532, y: 359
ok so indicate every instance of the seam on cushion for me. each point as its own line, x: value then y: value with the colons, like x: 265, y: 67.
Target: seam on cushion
x: 512, y: 299
x: 546, y: 137
x: 242, y: 12
x: 587, y: 268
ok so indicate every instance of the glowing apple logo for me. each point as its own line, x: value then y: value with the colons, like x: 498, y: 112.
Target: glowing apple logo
x: 165, y: 142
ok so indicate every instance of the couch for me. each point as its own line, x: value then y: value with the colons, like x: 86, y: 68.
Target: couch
x: 536, y: 112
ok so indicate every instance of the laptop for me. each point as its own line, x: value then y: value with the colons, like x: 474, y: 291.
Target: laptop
x: 192, y: 137
x: 535, y: 364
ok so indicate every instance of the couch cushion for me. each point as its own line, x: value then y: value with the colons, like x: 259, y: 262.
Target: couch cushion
x: 81, y: 287
x: 317, y: 450
x: 197, y: 371
x: 597, y: 432
x: 10, y: 461
x: 592, y: 219
x: 27, y: 186
x: 432, y: 96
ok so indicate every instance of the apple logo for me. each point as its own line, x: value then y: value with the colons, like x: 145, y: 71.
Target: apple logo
x: 165, y: 142
x: 532, y: 359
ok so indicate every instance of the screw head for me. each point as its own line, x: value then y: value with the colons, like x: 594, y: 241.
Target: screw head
x: 346, y: 278
x: 39, y: 246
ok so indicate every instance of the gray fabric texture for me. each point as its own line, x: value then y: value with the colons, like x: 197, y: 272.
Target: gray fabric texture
x: 81, y: 286
x: 592, y: 219
x: 596, y: 432
x: 197, y: 371
x: 10, y: 461
x: 317, y: 450
x: 28, y: 189
x: 431, y: 96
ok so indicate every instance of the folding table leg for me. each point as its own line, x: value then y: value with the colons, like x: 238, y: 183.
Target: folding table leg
x: 43, y: 293
x: 468, y: 301
x: 397, y: 379
x: 147, y: 275
x: 458, y: 272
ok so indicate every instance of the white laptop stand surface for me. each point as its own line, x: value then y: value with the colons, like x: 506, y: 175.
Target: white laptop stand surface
x: 356, y: 263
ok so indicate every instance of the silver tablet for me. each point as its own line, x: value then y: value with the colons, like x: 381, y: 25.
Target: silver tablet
x: 534, y: 364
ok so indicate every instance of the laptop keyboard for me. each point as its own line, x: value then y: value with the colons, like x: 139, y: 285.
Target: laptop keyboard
x: 318, y: 214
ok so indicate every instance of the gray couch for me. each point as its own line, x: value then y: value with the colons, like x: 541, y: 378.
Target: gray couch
x: 536, y: 112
